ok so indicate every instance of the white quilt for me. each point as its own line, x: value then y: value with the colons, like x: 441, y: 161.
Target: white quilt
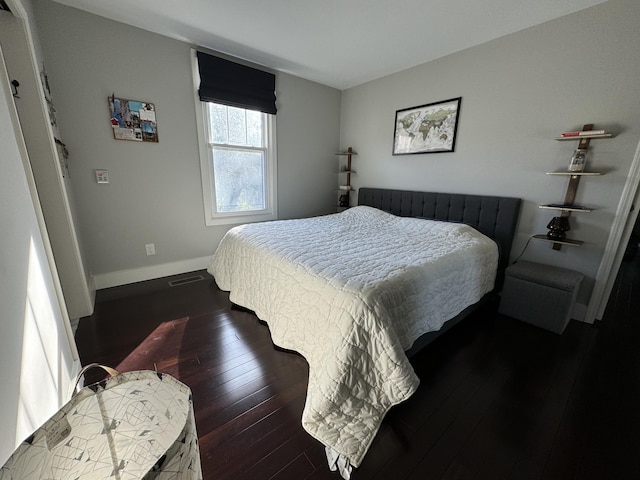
x: 351, y: 292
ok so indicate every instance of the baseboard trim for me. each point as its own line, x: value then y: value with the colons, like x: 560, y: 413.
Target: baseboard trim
x: 133, y: 275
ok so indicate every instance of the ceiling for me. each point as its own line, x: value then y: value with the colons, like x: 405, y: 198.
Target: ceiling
x: 340, y: 43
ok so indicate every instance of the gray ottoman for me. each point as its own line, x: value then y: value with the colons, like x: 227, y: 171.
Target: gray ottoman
x: 541, y: 295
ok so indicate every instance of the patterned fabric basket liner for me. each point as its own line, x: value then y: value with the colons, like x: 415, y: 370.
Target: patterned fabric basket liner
x: 134, y: 425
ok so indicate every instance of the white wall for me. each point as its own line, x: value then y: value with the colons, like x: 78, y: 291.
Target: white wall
x: 518, y: 93
x: 155, y: 193
x: 36, y: 359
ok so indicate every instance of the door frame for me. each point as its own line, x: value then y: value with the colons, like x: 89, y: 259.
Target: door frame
x: 621, y: 228
x: 19, y: 12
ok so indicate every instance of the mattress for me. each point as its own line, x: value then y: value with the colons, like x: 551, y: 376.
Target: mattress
x: 351, y: 292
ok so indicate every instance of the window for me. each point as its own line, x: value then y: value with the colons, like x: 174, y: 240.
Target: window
x: 238, y: 163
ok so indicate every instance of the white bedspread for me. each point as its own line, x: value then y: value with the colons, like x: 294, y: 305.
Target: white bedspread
x: 351, y: 292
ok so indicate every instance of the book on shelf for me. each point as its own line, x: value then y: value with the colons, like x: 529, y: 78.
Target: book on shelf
x: 583, y: 133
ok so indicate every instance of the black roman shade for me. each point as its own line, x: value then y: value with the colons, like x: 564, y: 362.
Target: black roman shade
x: 229, y: 83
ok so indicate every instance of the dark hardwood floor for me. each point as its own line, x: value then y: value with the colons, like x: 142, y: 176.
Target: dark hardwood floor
x: 499, y: 399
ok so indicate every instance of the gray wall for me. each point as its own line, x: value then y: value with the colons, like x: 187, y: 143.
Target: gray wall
x: 155, y: 194
x: 518, y: 93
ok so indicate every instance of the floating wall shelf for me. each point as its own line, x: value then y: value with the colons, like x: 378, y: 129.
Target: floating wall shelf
x: 574, y: 172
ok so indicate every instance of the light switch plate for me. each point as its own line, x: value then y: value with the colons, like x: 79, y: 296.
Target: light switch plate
x: 102, y: 176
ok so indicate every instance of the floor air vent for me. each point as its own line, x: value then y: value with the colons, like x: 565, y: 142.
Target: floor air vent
x: 182, y: 281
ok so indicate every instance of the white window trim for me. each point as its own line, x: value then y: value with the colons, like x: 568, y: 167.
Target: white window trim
x: 206, y: 168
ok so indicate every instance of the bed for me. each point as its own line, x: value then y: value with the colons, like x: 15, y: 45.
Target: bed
x: 354, y: 292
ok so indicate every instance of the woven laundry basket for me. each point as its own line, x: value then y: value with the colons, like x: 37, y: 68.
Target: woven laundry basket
x: 134, y: 425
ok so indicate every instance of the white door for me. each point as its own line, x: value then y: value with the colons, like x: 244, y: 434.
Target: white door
x: 38, y: 358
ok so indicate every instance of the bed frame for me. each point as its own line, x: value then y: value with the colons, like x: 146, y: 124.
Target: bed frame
x: 496, y: 217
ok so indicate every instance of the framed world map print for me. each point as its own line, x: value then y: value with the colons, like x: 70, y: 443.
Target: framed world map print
x: 429, y: 128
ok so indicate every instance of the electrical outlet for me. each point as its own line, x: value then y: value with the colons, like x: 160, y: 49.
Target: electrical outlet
x: 150, y: 248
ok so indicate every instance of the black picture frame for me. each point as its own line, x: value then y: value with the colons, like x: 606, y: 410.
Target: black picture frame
x: 429, y: 128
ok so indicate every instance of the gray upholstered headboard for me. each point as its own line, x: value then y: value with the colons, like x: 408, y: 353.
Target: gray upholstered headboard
x: 496, y: 217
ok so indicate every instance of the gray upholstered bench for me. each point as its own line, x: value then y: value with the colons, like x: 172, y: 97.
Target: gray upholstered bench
x: 541, y: 295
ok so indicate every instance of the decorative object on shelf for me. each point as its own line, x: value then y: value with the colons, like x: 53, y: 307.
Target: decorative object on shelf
x: 583, y: 133
x: 559, y: 225
x: 558, y: 228
x: 133, y: 120
x: 428, y: 128
x: 578, y: 160
x: 344, y: 180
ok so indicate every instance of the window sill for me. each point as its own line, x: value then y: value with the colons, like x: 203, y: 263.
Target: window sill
x: 240, y: 219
